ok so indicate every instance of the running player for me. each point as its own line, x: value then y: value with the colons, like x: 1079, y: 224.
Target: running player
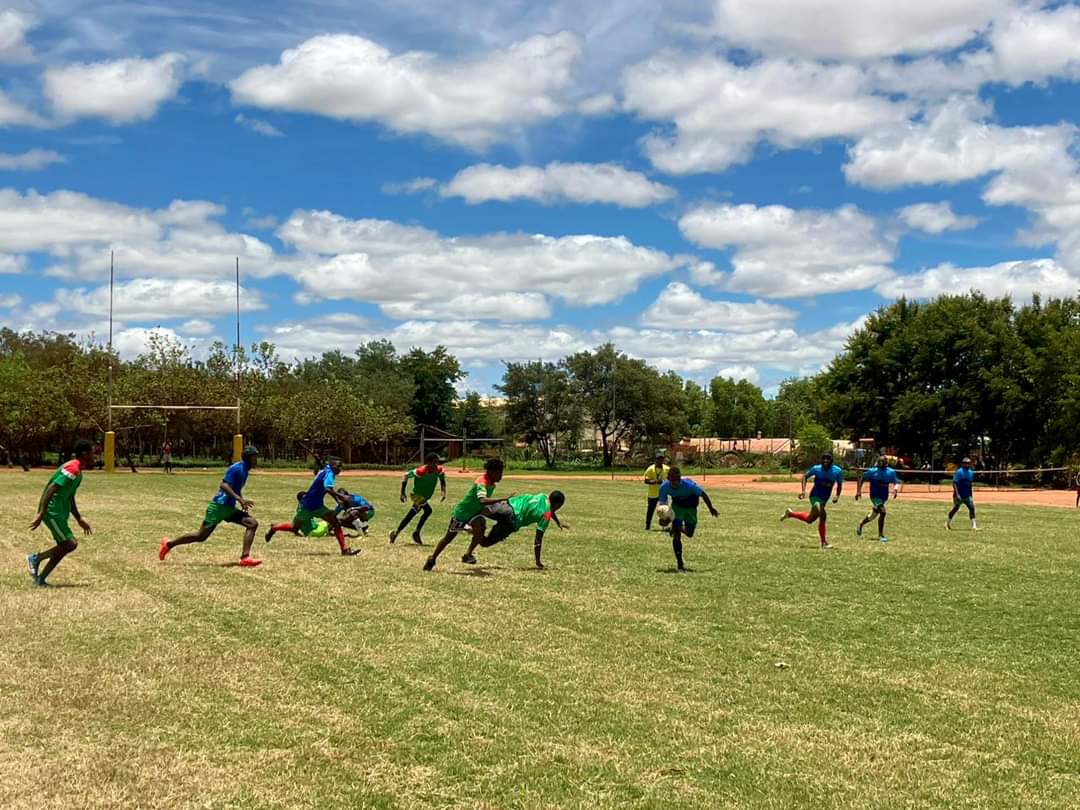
x: 57, y: 503
x: 685, y: 495
x: 655, y: 475
x: 467, y: 514
x: 880, y: 477
x: 516, y: 513
x: 424, y: 479
x: 313, y: 505
x: 826, y: 475
x: 223, y: 509
x: 962, y: 495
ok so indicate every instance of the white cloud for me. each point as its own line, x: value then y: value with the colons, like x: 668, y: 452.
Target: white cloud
x: 954, y: 144
x: 415, y: 186
x: 507, y: 306
x: 29, y: 161
x: 121, y: 91
x: 10, y: 301
x: 158, y: 299
x: 58, y: 221
x: 11, y: 264
x: 472, y: 103
x: 846, y: 30
x: 597, y: 105
x: 557, y: 183
x: 389, y: 263
x: 785, y: 253
x: 721, y: 110
x: 680, y: 307
x: 13, y: 46
x: 198, y: 328
x: 258, y: 125
x: 1032, y: 44
x: 748, y: 373
x: 935, y: 218
x: 1017, y: 280
x: 13, y: 114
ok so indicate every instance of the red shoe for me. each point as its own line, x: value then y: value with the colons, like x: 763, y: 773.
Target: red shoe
x: 163, y: 549
x: 248, y: 562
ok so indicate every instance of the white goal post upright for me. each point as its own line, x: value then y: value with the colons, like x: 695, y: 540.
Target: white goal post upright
x: 110, y: 434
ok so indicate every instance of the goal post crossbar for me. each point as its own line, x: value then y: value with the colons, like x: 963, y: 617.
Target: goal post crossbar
x: 175, y: 407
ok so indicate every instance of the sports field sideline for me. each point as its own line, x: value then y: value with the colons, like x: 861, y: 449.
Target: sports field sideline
x: 936, y: 671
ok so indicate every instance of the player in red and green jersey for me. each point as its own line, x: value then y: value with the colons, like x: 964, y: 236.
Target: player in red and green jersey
x: 228, y: 506
x: 424, y: 480
x: 467, y: 514
x: 516, y: 513
x: 57, y: 504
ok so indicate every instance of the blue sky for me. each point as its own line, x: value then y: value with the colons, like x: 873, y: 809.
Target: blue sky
x: 718, y: 186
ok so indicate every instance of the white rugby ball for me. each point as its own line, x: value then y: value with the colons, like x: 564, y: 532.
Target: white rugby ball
x: 664, y: 515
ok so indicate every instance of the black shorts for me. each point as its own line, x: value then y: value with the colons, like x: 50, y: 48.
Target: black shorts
x: 460, y: 525
x: 505, y: 522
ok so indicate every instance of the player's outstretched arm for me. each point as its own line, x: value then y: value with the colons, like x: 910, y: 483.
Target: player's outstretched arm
x: 79, y: 518
x: 839, y: 490
x: 709, y: 505
x: 404, y: 484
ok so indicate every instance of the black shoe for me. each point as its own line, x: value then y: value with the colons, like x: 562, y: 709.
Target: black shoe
x: 429, y: 564
x: 393, y: 537
x: 417, y: 539
x: 350, y: 552
x: 269, y: 535
x: 468, y: 559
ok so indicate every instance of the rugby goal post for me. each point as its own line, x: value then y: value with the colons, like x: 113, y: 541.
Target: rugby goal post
x: 110, y: 434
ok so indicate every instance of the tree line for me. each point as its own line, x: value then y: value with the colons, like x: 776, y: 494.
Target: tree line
x: 922, y: 379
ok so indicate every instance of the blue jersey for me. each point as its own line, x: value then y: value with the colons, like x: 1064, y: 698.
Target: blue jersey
x: 880, y: 479
x: 236, y: 476
x: 963, y: 481
x: 824, y: 479
x: 685, y: 496
x: 357, y: 502
x: 313, y: 498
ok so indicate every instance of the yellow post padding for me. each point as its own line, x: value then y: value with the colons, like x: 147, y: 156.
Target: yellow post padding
x: 110, y: 452
x: 237, y: 447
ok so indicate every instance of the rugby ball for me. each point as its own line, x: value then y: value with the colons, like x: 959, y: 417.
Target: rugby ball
x: 664, y: 515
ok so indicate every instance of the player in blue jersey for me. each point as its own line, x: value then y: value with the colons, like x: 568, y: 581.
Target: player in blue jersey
x: 313, y: 507
x: 228, y: 506
x: 826, y: 475
x: 356, y: 513
x: 684, y: 494
x: 962, y: 494
x: 881, y: 478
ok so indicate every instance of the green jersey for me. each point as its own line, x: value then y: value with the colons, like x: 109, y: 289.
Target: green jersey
x: 530, y: 509
x: 470, y: 506
x: 424, y: 481
x: 67, y: 479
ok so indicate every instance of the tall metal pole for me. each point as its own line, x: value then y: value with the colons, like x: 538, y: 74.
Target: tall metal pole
x: 236, y: 351
x: 112, y: 273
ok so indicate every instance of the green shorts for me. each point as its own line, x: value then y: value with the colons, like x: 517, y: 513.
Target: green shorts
x: 686, y: 517
x: 822, y: 502
x: 968, y: 502
x: 220, y: 513
x: 307, y: 517
x: 58, y: 528
x: 878, y: 503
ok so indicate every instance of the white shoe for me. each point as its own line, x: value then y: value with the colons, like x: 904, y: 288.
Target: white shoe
x: 786, y: 515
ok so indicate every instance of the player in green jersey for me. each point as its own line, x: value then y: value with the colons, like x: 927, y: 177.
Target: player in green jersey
x: 57, y: 504
x: 516, y: 513
x: 424, y: 480
x: 466, y: 515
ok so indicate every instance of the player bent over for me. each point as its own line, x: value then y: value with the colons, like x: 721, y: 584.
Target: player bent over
x: 223, y: 509
x: 357, y: 514
x: 684, y: 494
x: 962, y: 494
x: 516, y: 513
x: 826, y: 475
x: 57, y: 503
x: 880, y: 477
x: 312, y: 506
x: 466, y: 515
x: 424, y: 479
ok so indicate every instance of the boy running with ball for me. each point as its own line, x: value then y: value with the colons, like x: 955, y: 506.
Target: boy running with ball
x: 424, y: 480
x: 57, y: 504
x: 826, y: 475
x: 880, y: 478
x: 684, y: 494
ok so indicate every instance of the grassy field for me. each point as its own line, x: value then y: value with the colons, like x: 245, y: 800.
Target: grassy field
x: 937, y: 671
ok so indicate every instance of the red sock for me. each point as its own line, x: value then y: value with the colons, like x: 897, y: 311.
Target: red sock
x: 803, y: 516
x: 282, y: 527
x: 821, y: 530
x: 340, y: 535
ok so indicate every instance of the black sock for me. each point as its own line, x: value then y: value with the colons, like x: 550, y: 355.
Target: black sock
x: 405, y: 521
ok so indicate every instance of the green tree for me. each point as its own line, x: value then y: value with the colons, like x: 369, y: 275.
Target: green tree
x: 473, y: 418
x: 739, y: 408
x: 812, y: 441
x: 435, y: 375
x: 542, y: 406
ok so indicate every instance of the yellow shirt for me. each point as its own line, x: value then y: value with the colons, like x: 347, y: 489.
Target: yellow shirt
x: 654, y: 477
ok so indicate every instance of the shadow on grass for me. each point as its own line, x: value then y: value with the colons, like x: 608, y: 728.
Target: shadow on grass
x: 674, y: 570
x: 476, y: 572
